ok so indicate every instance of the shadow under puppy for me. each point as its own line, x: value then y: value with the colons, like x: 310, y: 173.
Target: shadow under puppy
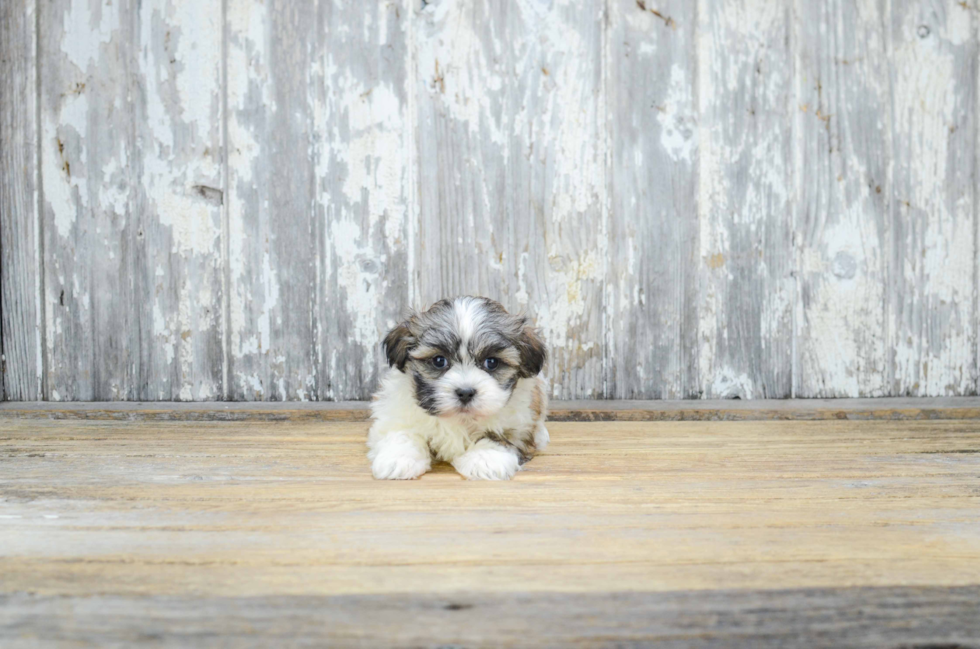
x: 464, y: 386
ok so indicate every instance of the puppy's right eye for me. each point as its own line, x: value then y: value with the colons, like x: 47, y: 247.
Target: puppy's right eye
x: 440, y: 362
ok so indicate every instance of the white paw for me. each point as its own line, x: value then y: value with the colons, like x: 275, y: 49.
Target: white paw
x: 399, y: 467
x: 487, y: 463
x: 541, y: 437
x: 399, y: 456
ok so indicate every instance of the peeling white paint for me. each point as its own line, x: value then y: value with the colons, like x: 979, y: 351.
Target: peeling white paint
x: 163, y: 332
x: 874, y: 96
x: 932, y: 331
x: 458, y: 70
x: 269, y: 304
x: 847, y: 308
x: 64, y: 162
x: 727, y: 384
x: 358, y: 276
x: 247, y: 75
x: 571, y: 278
x: 678, y: 135
x: 182, y: 96
x: 88, y: 25
x: 373, y: 155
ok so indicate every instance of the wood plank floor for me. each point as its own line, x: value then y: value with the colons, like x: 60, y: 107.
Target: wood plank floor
x: 762, y: 533
x: 887, y: 408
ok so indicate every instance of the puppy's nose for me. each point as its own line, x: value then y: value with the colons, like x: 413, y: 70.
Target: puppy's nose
x: 465, y: 394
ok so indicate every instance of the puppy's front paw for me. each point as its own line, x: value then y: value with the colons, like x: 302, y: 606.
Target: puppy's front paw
x: 399, y: 467
x: 541, y: 437
x: 398, y: 456
x: 487, y: 463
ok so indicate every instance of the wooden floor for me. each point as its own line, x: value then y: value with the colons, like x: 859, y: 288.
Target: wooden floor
x: 760, y: 533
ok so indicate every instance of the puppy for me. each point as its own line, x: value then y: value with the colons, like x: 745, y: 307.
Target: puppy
x: 464, y: 387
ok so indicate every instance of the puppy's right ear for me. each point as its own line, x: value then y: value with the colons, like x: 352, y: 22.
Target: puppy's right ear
x: 397, y: 344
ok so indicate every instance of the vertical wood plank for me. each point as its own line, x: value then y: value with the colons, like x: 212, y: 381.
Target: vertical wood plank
x: 746, y: 264
x: 932, y: 310
x: 90, y: 207
x: 364, y: 176
x: 178, y: 136
x: 130, y: 160
x: 271, y: 226
x: 21, y: 366
x: 842, y: 217
x: 652, y: 283
x: 511, y: 168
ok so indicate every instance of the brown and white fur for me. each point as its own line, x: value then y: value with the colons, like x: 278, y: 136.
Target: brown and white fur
x: 464, y: 387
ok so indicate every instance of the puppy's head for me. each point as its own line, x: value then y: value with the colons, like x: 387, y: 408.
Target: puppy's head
x: 465, y: 356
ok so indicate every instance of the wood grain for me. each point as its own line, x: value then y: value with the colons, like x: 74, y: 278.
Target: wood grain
x: 842, y: 217
x: 179, y: 152
x: 362, y: 85
x: 511, y: 173
x: 803, y: 618
x: 220, y: 515
x: 91, y: 202
x: 251, y: 509
x: 691, y: 199
x: 652, y: 281
x: 892, y: 409
x: 746, y: 265
x: 21, y: 369
x: 132, y: 200
x: 272, y: 253
x: 932, y: 310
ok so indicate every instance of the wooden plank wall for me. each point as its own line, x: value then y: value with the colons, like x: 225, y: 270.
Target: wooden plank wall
x: 724, y: 198
x: 20, y: 289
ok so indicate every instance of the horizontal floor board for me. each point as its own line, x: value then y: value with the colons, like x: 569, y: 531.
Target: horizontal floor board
x: 898, y: 409
x: 807, y: 618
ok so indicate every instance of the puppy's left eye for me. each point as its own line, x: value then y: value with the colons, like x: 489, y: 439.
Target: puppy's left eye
x: 491, y: 364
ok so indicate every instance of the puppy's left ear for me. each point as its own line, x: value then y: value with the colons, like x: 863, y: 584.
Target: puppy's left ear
x: 533, y: 351
x: 397, y: 344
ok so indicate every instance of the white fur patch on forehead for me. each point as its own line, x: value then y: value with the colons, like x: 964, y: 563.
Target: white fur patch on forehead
x: 469, y: 313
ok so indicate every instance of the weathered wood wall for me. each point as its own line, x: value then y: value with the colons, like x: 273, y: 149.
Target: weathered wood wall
x: 234, y: 199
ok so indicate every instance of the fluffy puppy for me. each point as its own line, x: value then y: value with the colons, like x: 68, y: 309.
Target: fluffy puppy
x: 463, y: 386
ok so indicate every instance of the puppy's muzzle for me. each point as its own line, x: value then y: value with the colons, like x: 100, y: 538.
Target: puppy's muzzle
x: 465, y: 395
